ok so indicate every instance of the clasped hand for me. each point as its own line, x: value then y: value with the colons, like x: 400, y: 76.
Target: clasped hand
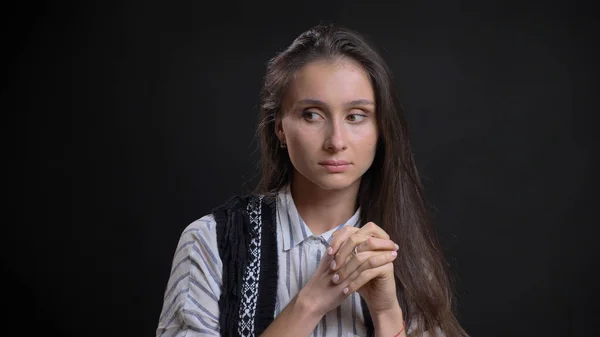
x: 358, y: 259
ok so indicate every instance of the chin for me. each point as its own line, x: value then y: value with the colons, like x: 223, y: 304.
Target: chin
x: 335, y: 183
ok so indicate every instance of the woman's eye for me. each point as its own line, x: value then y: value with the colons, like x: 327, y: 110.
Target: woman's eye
x: 310, y: 115
x: 356, y: 117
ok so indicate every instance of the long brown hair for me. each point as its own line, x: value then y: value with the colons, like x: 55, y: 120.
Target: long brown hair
x: 391, y: 193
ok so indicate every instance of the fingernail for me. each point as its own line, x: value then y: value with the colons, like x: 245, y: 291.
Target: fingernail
x: 329, y: 250
x: 332, y: 265
x: 335, y: 278
x: 397, y: 247
x: 346, y: 290
x: 394, y: 254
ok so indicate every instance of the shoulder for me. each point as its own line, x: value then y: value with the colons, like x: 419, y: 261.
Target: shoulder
x: 209, y: 225
x: 200, y: 230
x: 197, y: 242
x: 206, y: 225
x: 242, y: 200
x: 240, y: 203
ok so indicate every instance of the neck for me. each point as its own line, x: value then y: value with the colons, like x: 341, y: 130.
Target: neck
x: 323, y: 210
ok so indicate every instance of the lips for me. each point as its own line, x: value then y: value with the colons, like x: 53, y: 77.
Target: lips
x: 334, y: 162
x: 335, y: 166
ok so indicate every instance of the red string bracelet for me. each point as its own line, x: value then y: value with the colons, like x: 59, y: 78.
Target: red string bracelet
x: 399, y: 332
x: 403, y: 325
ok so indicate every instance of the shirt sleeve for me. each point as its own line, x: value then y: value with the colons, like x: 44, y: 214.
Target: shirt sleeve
x: 190, y: 304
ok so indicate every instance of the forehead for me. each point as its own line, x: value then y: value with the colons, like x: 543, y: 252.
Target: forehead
x: 332, y: 81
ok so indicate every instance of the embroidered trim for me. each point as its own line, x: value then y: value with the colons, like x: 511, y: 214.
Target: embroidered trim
x: 251, y: 277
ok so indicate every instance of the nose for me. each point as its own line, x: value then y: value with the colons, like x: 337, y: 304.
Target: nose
x: 335, y: 138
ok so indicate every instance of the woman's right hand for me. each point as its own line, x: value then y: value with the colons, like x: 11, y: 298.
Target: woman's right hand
x: 320, y: 295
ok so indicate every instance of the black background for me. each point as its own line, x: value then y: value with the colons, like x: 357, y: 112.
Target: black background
x: 127, y: 121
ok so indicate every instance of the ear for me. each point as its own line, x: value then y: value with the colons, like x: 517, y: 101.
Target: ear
x: 279, y: 131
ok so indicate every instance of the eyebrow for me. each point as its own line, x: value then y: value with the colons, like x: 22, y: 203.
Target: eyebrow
x: 310, y: 101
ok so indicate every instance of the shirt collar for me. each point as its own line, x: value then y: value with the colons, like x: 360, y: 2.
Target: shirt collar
x: 294, y: 230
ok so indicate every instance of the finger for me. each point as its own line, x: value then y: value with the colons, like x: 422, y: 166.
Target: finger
x: 363, y: 278
x: 371, y: 229
x: 342, y: 246
x: 363, y: 274
x: 361, y: 262
x: 346, y: 249
x: 352, y: 265
x: 339, y: 237
x: 374, y: 244
x: 325, y: 263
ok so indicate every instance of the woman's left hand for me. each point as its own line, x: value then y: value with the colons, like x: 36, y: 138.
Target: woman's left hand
x: 364, y: 258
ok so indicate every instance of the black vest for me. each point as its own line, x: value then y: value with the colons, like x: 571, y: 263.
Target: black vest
x: 247, y: 242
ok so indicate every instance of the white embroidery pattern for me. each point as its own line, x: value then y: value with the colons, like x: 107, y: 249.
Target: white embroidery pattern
x: 252, y: 273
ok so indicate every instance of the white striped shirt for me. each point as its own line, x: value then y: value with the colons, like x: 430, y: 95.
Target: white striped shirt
x: 190, y: 306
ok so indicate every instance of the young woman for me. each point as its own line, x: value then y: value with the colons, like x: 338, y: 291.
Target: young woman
x: 336, y: 240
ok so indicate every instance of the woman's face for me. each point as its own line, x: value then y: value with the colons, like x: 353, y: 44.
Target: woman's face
x: 329, y: 124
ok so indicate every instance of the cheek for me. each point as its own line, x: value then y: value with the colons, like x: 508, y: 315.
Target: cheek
x: 366, y: 138
x: 300, y: 135
x: 301, y: 146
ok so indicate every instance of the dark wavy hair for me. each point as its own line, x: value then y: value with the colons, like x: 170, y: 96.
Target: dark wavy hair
x: 391, y: 193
